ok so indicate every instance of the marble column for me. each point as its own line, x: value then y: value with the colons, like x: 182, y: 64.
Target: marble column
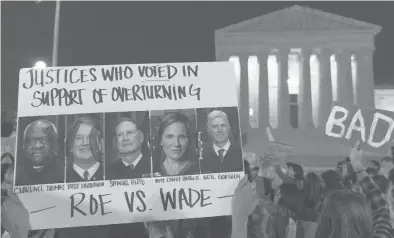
x: 283, y: 89
x: 264, y: 111
x: 305, y: 119
x: 345, y: 84
x: 325, y: 86
x: 244, y: 93
x: 365, y: 83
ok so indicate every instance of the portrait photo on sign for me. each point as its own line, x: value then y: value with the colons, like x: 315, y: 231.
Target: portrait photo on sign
x: 127, y: 149
x: 85, y: 147
x: 219, y: 140
x: 40, y: 150
x: 174, y: 145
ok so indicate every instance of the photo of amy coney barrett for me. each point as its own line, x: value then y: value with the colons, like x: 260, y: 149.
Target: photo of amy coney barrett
x: 40, y: 150
x: 174, y: 144
x: 219, y: 140
x: 85, y: 147
x: 127, y: 152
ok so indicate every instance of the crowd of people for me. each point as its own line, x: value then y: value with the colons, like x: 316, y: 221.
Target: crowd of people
x: 276, y: 200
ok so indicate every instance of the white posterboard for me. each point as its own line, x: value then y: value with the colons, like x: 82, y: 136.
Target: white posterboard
x: 163, y: 118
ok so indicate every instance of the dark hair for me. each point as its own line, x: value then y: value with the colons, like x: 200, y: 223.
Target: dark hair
x: 5, y: 167
x: 344, y: 214
x: 376, y: 163
x: 332, y: 181
x: 298, y: 170
x: 313, y: 190
x: 166, y: 121
x: 291, y: 198
x: 391, y: 176
x: 73, y: 130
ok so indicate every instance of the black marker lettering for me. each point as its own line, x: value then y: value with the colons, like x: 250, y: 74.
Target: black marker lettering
x: 75, y: 207
x: 102, y: 203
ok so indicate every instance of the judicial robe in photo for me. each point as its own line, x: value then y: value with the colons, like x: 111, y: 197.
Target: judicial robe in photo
x: 51, y: 173
x: 75, y: 174
x: 121, y: 170
x: 232, y: 159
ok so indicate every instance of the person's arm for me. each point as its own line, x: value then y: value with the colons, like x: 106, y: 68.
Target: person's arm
x: 381, y: 220
x: 284, y: 177
x: 239, y: 229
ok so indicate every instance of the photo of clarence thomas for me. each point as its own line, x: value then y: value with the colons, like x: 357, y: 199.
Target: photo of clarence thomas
x: 127, y: 145
x: 40, y: 156
x: 84, y: 148
x: 219, y: 140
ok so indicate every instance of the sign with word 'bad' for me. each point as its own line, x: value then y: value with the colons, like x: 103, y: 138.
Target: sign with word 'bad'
x: 373, y: 127
x: 100, y: 145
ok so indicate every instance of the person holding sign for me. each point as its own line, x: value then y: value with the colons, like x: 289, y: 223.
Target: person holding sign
x: 84, y: 147
x: 38, y: 162
x: 220, y: 155
x: 128, y: 141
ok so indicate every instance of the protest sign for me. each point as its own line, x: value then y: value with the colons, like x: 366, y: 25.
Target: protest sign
x: 348, y: 123
x: 113, y: 144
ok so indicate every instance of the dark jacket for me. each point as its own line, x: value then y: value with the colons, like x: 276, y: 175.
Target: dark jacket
x: 51, y: 173
x: 211, y: 163
x: 118, y: 170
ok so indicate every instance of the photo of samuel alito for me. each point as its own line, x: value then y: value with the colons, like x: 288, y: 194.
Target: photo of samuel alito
x: 84, y: 151
x: 221, y: 153
x: 133, y: 160
x: 38, y: 160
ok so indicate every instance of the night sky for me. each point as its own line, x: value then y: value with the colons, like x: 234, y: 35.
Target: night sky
x: 101, y: 33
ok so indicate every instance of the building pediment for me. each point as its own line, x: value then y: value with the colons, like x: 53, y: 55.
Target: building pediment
x: 300, y: 19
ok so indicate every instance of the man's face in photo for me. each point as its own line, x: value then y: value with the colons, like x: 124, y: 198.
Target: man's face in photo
x: 128, y: 137
x: 38, y: 146
x: 219, y: 129
x: 81, y: 148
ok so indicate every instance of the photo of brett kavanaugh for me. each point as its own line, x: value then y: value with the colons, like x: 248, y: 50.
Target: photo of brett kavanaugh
x: 40, y: 151
x: 85, y: 147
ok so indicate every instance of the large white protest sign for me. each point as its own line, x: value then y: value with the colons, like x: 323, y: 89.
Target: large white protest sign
x: 372, y: 127
x: 127, y: 143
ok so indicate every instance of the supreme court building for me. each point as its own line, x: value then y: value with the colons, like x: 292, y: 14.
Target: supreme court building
x: 290, y: 65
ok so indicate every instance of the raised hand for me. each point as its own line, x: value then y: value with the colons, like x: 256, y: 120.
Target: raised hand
x: 356, y: 157
x: 244, y: 201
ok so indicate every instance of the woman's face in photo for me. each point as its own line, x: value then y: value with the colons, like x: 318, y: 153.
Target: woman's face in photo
x: 175, y: 141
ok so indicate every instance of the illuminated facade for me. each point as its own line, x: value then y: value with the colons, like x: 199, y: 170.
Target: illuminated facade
x: 290, y: 65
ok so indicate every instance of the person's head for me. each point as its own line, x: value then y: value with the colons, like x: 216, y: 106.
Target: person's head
x: 85, y: 141
x: 345, y: 214
x: 174, y: 136
x: 391, y: 176
x: 296, y: 172
x: 313, y: 189
x: 218, y: 127
x: 251, y: 169
x: 386, y: 164
x: 39, y: 142
x: 331, y: 180
x: 373, y: 167
x: 128, y: 137
x: 7, y: 170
